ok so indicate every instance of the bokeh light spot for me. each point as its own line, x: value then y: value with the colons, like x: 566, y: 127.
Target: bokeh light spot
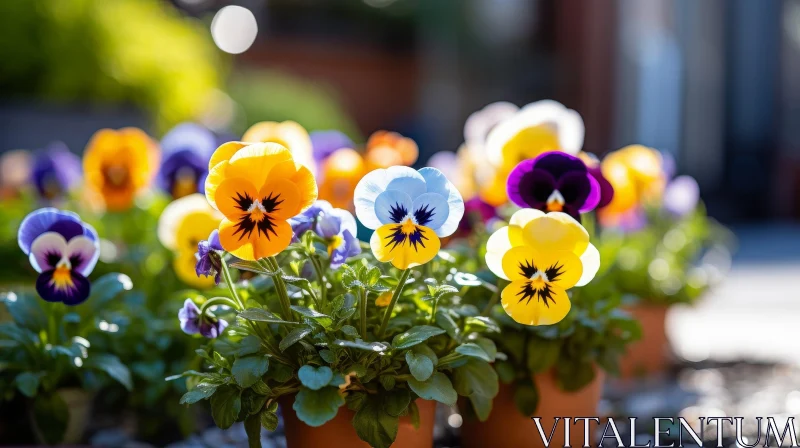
x: 234, y: 29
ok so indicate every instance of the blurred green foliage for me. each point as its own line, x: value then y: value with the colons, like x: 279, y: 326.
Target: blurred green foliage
x: 141, y: 52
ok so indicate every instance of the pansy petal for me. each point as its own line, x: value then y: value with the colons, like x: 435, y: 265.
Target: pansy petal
x: 83, y: 254
x: 280, y: 198
x: 393, y: 206
x: 64, y: 286
x: 224, y: 153
x: 534, y: 310
x: 591, y: 264
x: 556, y: 231
x: 184, y: 265
x: 231, y: 240
x: 255, y: 162
x: 189, y: 136
x: 516, y: 258
x: 47, y: 250
x: 376, y: 182
x: 274, y: 242
x: 174, y: 214
x: 580, y: 191
x: 39, y: 222
x: 497, y: 246
x: 431, y: 210
x: 404, y: 250
x: 437, y: 182
x: 346, y: 220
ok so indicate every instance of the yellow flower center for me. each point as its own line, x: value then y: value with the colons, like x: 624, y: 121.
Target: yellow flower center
x: 555, y: 203
x: 185, y: 183
x: 62, y: 280
x: 336, y: 241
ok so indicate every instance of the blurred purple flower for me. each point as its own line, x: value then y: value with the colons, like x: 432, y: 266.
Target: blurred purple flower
x: 476, y: 211
x: 208, y: 259
x: 554, y: 182
x: 325, y: 143
x: 337, y: 226
x: 193, y: 323
x: 606, y: 189
x: 681, y: 196
x: 55, y: 171
x: 186, y: 149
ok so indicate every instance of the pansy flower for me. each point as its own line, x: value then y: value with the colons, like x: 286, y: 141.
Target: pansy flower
x: 183, y: 224
x: 186, y: 150
x: 593, y: 165
x: 385, y: 149
x: 118, y: 165
x: 460, y: 169
x: 258, y: 188
x: 192, y: 322
x: 477, y: 213
x: 64, y: 250
x: 288, y: 134
x: 536, y: 128
x: 339, y: 175
x: 409, y: 210
x: 681, y: 196
x: 209, y: 262
x: 15, y: 172
x: 55, y: 171
x: 543, y: 255
x: 335, y: 225
x: 554, y: 182
x: 325, y: 143
x: 638, y: 176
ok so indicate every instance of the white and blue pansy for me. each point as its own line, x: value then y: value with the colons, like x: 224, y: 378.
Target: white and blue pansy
x: 337, y: 226
x: 64, y: 250
x: 409, y: 211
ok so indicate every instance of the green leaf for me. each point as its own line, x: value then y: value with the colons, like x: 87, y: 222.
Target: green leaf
x: 249, y: 369
x: 420, y: 362
x: 444, y: 320
x: 350, y: 331
x: 355, y: 400
x: 28, y: 382
x: 105, y: 289
x: 438, y: 387
x: 482, y: 406
x: 294, y: 336
x: 574, y: 375
x: 444, y: 292
x: 269, y: 420
x: 252, y: 266
x: 316, y: 407
x: 280, y: 372
x: 225, y: 406
x: 112, y: 366
x: 252, y: 427
x: 261, y: 388
x: 488, y: 346
x: 475, y: 377
x: 322, y: 319
x: 248, y: 345
x: 26, y: 310
x: 374, y: 425
x: 505, y: 371
x: 315, y: 378
x: 542, y: 354
x: 387, y: 381
x: 200, y: 392
x: 327, y: 356
x: 526, y: 397
x: 361, y: 345
x: 482, y: 323
x: 474, y: 351
x: 413, y: 414
x: 51, y: 415
x: 414, y: 336
x: 396, y: 401
x: 262, y: 315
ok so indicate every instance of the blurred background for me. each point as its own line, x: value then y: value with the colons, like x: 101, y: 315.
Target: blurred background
x: 715, y: 83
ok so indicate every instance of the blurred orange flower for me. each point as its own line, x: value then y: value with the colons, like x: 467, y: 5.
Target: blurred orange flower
x: 385, y: 149
x: 637, y: 174
x: 340, y: 173
x: 288, y: 134
x: 119, y: 164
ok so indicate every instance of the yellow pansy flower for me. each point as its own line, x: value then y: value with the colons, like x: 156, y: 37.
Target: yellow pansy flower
x: 543, y: 255
x: 288, y: 134
x: 637, y: 174
x: 385, y: 149
x: 536, y: 128
x: 340, y: 173
x: 257, y: 187
x: 118, y: 165
x: 182, y: 225
x: 384, y: 299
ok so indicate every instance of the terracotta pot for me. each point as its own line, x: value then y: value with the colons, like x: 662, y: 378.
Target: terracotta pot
x: 506, y: 427
x: 339, y: 432
x: 650, y: 355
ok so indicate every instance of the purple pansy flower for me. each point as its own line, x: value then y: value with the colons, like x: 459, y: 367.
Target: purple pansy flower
x: 325, y: 143
x: 337, y: 226
x: 606, y: 189
x: 55, y: 170
x: 476, y: 211
x: 208, y: 259
x: 681, y: 196
x: 186, y: 149
x: 63, y: 249
x: 192, y: 322
x: 554, y: 182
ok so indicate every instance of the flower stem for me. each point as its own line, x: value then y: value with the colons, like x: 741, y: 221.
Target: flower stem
x: 323, y: 287
x: 363, y: 307
x: 280, y: 287
x: 216, y: 301
x: 492, y: 302
x: 396, y: 295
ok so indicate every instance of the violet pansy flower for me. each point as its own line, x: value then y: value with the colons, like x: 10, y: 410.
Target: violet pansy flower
x: 63, y: 250
x: 681, y: 196
x: 192, y: 322
x: 208, y: 258
x: 55, y: 170
x: 325, y: 143
x: 554, y: 182
x: 337, y: 226
x: 186, y: 149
